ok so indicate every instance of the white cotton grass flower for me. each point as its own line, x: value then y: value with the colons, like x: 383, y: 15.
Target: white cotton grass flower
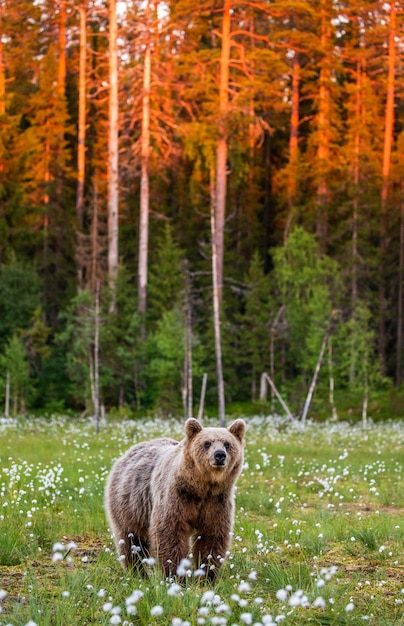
x: 252, y: 575
x: 183, y: 567
x: 56, y: 557
x: 174, y: 589
x: 58, y: 547
x: 282, y: 595
x: 31, y: 623
x: 319, y: 603
x: 208, y: 596
x: 3, y: 594
x: 244, y: 587
x: 246, y: 618
x: 199, y: 573
x: 156, y: 611
x: 134, y: 597
x: 349, y: 607
x: 115, y: 619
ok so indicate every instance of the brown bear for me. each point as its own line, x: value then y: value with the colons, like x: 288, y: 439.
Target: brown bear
x: 163, y: 493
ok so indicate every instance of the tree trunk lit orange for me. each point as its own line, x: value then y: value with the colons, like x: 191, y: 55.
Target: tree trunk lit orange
x: 221, y: 154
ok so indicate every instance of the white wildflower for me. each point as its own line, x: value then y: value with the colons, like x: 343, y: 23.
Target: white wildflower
x: 282, y: 595
x: 174, y: 589
x: 155, y: 611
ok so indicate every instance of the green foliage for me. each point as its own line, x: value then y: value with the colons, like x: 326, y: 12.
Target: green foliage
x: 19, y: 298
x: 166, y: 282
x: 121, y: 347
x: 166, y: 350
x: 255, y: 323
x: 14, y: 363
x: 308, y: 284
x: 358, y: 359
x: 77, y: 339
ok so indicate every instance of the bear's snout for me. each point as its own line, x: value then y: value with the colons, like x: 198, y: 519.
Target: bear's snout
x: 220, y: 457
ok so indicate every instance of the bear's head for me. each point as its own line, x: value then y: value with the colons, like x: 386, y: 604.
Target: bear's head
x: 216, y: 450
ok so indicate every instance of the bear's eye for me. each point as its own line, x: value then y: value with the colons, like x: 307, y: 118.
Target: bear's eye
x: 207, y: 445
x: 226, y: 445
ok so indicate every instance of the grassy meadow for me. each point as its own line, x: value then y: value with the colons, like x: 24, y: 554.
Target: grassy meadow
x: 318, y: 538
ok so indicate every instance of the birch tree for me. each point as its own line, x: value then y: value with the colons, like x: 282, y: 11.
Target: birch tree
x: 144, y: 180
x: 113, y: 192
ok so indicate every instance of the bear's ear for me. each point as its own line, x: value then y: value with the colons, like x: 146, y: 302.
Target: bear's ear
x: 192, y: 427
x: 237, y: 429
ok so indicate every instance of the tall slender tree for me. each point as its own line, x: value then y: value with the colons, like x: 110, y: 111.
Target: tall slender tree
x: 221, y: 153
x: 113, y: 189
x: 144, y: 177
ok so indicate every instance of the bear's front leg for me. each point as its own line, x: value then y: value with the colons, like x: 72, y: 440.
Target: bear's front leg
x: 169, y: 542
x: 210, y: 551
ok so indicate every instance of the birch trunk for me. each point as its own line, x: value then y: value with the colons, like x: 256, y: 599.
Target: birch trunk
x: 202, y: 398
x: 113, y: 194
x: 314, y: 380
x: 96, y: 359
x: 94, y: 238
x: 216, y: 307
x: 7, y: 400
x: 332, y: 383
x: 188, y: 346
x: 221, y: 154
x: 263, y: 393
x: 144, y: 183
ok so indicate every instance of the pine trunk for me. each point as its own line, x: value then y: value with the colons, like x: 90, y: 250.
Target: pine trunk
x: 62, y: 48
x: 113, y: 194
x: 144, y: 183
x: 323, y: 132
x: 2, y: 71
x: 81, y: 138
x: 388, y: 140
x: 221, y: 154
x: 293, y: 144
x: 399, y: 357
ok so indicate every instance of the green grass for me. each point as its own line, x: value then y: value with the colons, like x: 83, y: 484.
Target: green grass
x: 319, y: 528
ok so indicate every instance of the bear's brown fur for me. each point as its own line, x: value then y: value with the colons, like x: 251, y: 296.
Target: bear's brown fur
x: 162, y: 493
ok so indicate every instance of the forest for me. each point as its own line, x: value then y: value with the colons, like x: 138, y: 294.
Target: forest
x: 200, y: 194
